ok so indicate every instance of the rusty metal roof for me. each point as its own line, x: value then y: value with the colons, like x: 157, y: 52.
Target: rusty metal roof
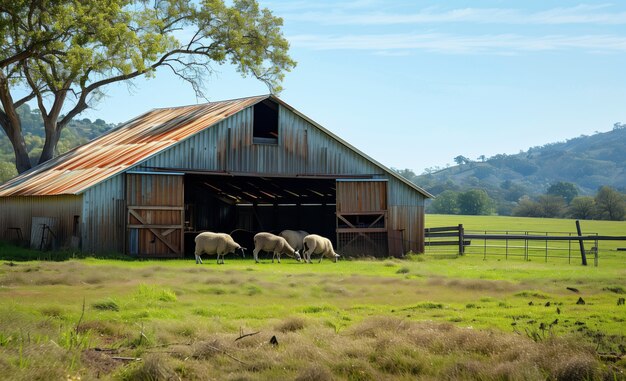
x: 121, y: 148
x: 135, y: 141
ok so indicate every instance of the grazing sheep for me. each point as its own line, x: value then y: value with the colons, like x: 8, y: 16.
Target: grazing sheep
x: 316, y: 244
x: 216, y: 243
x: 272, y: 244
x: 294, y: 238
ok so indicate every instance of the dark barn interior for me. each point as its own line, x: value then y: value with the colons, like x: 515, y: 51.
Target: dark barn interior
x: 246, y: 205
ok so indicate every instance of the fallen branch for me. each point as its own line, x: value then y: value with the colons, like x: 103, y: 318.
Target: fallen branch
x: 241, y: 336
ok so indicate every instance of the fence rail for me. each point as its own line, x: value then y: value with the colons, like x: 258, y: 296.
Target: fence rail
x: 524, y: 244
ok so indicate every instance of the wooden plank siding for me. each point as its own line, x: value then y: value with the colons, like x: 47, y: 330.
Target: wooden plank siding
x: 156, y: 214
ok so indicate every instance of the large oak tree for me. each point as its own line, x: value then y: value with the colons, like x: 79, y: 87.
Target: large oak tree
x: 62, y: 53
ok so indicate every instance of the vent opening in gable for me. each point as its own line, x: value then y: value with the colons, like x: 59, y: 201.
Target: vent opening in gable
x: 265, y: 128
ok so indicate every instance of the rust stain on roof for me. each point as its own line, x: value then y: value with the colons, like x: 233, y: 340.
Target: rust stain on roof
x: 121, y: 148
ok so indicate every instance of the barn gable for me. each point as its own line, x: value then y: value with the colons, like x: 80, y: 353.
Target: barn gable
x: 250, y: 164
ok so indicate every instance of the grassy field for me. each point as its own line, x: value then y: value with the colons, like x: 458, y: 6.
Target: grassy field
x: 417, y: 318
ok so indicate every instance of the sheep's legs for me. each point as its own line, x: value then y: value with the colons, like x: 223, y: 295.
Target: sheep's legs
x: 198, y: 259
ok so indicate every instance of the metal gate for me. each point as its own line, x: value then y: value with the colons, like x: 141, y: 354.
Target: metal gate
x: 156, y: 214
x: 362, y: 217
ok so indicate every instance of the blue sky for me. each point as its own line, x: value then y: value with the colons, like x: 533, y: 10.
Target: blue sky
x: 415, y: 83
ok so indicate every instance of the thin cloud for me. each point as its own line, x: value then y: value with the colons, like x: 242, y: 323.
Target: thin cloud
x: 457, y: 44
x: 580, y: 14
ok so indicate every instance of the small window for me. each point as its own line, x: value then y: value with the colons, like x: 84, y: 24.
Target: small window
x: 265, y: 128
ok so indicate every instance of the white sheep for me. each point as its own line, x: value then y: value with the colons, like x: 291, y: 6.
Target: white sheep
x: 316, y: 244
x: 272, y: 244
x: 294, y: 238
x: 216, y: 243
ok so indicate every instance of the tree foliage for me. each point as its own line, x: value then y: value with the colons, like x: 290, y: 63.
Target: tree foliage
x: 582, y: 207
x: 564, y: 189
x: 445, y: 203
x: 62, y: 53
x: 610, y: 204
x: 474, y: 202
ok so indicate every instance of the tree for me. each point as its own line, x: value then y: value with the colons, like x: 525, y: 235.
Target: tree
x: 63, y: 53
x: 551, y: 206
x: 527, y: 208
x: 582, y: 207
x: 610, y: 204
x: 474, y: 202
x: 445, y: 203
x: 564, y: 189
x: 460, y: 160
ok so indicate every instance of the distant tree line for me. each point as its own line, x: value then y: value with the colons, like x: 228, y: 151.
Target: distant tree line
x: 607, y: 204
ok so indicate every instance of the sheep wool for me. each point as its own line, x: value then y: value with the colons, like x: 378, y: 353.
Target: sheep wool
x: 215, y: 243
x: 316, y: 244
x: 274, y: 244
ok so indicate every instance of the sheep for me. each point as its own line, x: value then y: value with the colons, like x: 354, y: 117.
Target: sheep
x: 216, y: 243
x: 316, y: 244
x: 294, y: 238
x: 273, y: 244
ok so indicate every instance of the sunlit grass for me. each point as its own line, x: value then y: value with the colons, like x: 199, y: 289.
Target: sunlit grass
x: 463, y: 318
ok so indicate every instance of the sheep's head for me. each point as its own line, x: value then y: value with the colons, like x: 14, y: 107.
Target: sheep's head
x: 240, y: 250
x: 297, y: 255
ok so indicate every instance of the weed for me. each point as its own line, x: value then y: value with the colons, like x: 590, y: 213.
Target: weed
x: 106, y: 305
x: 403, y: 270
x: 149, y: 293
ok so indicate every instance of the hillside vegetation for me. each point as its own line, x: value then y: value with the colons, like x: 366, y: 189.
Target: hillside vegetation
x: 79, y: 131
x: 587, y: 161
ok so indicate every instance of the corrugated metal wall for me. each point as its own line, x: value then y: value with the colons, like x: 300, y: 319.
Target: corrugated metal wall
x: 303, y: 149
x: 18, y: 212
x: 104, y: 210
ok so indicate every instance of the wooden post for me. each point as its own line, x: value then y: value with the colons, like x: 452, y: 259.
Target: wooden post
x: 461, y: 237
x: 582, y: 245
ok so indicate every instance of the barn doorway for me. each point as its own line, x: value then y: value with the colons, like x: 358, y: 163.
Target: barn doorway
x: 245, y: 205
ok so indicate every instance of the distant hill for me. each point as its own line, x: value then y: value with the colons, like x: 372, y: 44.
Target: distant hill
x: 586, y: 161
x: 79, y: 131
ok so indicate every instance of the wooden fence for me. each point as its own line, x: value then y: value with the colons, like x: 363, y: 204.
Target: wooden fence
x: 517, y: 243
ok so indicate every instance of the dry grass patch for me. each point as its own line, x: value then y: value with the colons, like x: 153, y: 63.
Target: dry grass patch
x: 291, y: 324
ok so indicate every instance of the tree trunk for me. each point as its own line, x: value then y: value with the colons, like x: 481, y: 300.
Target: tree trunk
x: 52, y: 138
x: 12, y: 125
x: 22, y: 161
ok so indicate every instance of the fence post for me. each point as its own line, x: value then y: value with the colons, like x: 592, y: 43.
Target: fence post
x: 546, y: 247
x: 582, y: 245
x: 461, y: 238
x: 506, y: 241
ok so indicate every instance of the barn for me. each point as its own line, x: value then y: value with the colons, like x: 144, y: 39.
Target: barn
x: 239, y: 166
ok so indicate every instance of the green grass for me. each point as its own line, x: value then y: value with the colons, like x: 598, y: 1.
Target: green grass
x: 420, y: 318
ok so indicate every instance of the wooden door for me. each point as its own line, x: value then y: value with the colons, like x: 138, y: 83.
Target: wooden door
x: 156, y: 214
x: 362, y: 217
